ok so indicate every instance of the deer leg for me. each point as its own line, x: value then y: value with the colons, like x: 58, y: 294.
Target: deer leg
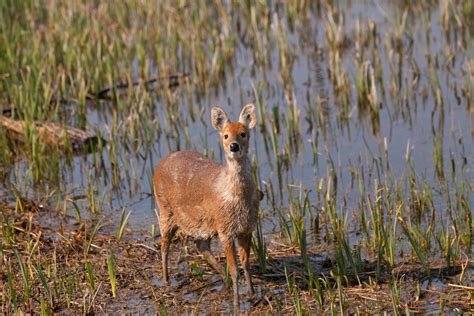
x: 204, y: 247
x: 167, y: 235
x: 230, y: 253
x: 244, y: 254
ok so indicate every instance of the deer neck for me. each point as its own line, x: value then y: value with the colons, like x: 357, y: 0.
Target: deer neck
x: 238, y: 170
x: 235, y: 184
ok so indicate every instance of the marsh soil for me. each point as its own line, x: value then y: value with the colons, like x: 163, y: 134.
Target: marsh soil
x: 194, y: 285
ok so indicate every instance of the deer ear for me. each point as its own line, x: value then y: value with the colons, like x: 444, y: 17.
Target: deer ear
x: 218, y: 118
x: 248, y: 117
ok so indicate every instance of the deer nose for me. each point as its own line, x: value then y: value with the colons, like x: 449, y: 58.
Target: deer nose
x: 234, y: 147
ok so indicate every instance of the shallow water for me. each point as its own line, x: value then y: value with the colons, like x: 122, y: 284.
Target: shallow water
x: 406, y: 125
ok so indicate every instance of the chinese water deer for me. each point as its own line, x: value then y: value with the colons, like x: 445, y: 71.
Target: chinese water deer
x: 203, y: 198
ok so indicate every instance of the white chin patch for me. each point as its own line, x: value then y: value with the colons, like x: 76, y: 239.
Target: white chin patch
x: 237, y: 154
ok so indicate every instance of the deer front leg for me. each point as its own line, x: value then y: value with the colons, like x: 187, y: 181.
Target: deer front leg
x: 244, y: 253
x: 230, y: 253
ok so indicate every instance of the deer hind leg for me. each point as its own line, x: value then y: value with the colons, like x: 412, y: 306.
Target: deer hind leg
x: 167, y: 230
x: 244, y: 254
x: 167, y: 234
x: 204, y: 247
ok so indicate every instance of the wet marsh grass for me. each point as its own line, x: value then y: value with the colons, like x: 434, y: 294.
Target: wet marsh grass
x: 363, y: 151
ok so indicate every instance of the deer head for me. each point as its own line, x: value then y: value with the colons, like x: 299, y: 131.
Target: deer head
x: 234, y: 135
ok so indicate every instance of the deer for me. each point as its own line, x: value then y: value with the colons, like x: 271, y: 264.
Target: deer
x: 203, y: 198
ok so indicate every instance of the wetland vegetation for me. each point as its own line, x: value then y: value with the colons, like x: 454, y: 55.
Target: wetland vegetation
x: 364, y: 150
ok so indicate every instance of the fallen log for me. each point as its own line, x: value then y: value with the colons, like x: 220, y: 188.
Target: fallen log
x: 53, y: 134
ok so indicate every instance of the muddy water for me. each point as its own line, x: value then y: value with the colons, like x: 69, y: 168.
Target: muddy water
x: 406, y: 126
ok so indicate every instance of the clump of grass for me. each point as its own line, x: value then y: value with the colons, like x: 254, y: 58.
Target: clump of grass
x: 290, y: 281
x: 45, y: 285
x: 112, y: 275
x: 415, y: 245
x: 90, y: 277
x: 96, y: 228
x: 123, y: 224
x: 367, y: 97
x: 259, y: 247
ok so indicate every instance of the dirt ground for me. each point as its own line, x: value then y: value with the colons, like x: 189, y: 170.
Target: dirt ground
x: 58, y: 243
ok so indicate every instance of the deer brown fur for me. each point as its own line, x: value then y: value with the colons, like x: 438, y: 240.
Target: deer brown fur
x: 204, y: 199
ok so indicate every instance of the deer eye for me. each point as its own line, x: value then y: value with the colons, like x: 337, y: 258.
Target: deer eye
x: 242, y: 135
x: 226, y: 136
